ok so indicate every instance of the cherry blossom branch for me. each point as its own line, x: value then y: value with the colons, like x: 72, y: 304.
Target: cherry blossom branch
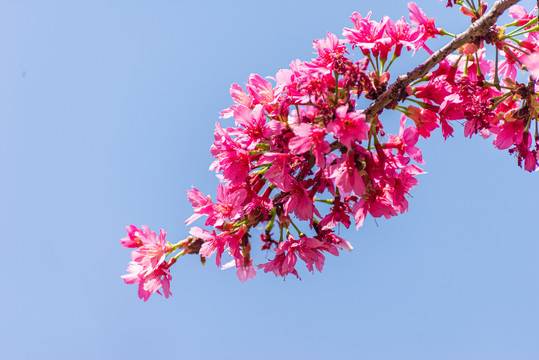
x: 477, y: 29
x: 306, y: 137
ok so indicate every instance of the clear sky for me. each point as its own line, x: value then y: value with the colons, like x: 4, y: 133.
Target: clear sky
x: 106, y: 119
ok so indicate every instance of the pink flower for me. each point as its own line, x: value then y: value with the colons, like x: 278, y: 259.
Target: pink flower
x: 520, y: 14
x: 419, y: 18
x: 308, y: 138
x: 132, y: 240
x: 329, y: 50
x: 346, y: 176
x: 149, y: 282
x: 523, y: 152
x: 425, y: 26
x: 202, y: 205
x: 254, y: 127
x: 246, y: 273
x: 228, y: 206
x: 308, y: 249
x: 410, y: 137
x: 507, y: 67
x: 447, y: 130
x: 368, y: 35
x: 239, y: 97
x: 260, y: 90
x: 337, y: 215
x: 425, y: 120
x: 148, y: 267
x: 218, y: 243
x: 284, y: 262
x: 377, y: 207
x: 402, y: 34
x: 474, y: 105
x: 511, y: 133
x: 152, y: 252
x: 438, y: 87
x: 279, y: 172
x: 349, y: 126
x: 213, y: 243
x: 401, y: 185
x: 230, y: 157
x: 243, y: 273
x: 313, y: 84
x: 532, y: 64
x: 300, y: 202
x: 405, y: 142
x: 330, y: 238
x: 531, y: 160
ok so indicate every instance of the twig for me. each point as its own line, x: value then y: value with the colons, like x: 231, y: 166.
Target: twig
x: 477, y: 29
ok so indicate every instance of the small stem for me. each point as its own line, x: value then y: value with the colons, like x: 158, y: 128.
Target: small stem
x: 443, y: 32
x: 517, y: 48
x: 527, y: 129
x: 263, y: 171
x: 178, y: 255
x: 174, y: 247
x: 479, y: 73
x: 391, y: 62
x: 456, y: 64
x: 486, y: 83
x: 327, y: 201
x: 501, y: 99
x: 336, y: 85
x: 376, y: 141
x: 533, y: 29
x: 402, y: 109
x: 471, y: 5
x: 243, y: 222
x: 300, y: 234
x: 272, y: 220
x: 372, y: 62
x: 420, y: 103
x: 529, y: 23
x: 419, y: 81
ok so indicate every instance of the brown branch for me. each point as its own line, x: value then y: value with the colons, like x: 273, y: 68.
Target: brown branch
x: 477, y: 29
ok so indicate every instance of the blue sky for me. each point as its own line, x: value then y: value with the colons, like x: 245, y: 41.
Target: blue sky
x: 108, y: 110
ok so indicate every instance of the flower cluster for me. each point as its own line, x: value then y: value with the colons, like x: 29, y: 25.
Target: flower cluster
x: 148, y: 268
x: 299, y: 156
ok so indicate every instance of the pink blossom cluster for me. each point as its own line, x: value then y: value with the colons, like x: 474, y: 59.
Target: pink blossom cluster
x: 148, y: 268
x: 299, y: 156
x: 486, y: 93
